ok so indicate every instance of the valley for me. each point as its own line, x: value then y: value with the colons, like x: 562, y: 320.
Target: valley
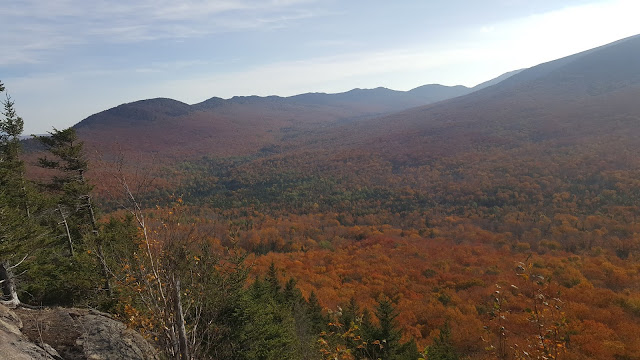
x: 500, y: 221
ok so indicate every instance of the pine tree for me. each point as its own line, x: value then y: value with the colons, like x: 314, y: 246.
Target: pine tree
x: 10, y: 218
x: 70, y: 183
x: 17, y: 229
x: 386, y: 314
x: 314, y: 312
x: 350, y: 313
x: 75, y: 205
x: 11, y: 166
x: 350, y: 319
x: 267, y: 328
x: 383, y: 340
x: 272, y: 280
x: 307, y: 336
x: 291, y: 294
x: 442, y: 347
x: 386, y: 333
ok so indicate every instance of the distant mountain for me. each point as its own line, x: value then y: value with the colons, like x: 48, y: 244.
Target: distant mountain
x: 384, y: 98
x: 593, y: 93
x: 561, y: 135
x: 243, y: 124
x: 360, y: 100
x: 136, y: 112
x: 574, y: 97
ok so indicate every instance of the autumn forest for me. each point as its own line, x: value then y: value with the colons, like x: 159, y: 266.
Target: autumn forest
x: 493, y: 223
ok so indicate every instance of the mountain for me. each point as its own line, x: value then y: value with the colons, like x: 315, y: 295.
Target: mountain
x: 385, y: 99
x: 496, y: 80
x: 244, y: 124
x: 580, y: 110
x: 587, y: 95
x: 524, y: 192
x: 569, y: 126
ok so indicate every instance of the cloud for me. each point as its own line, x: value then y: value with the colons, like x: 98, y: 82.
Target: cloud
x: 163, y: 67
x: 35, y: 27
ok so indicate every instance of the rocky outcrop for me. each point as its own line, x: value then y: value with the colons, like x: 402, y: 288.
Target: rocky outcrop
x: 14, y: 345
x: 69, y: 334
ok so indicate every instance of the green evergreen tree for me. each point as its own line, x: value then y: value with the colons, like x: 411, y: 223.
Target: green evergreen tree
x: 387, y: 329
x: 350, y: 314
x: 272, y: 280
x: 351, y: 320
x: 307, y: 336
x: 386, y: 333
x: 442, y: 347
x: 12, y: 179
x: 314, y: 312
x: 291, y: 294
x: 69, y: 158
x: 409, y: 351
x: 383, y: 339
x: 75, y: 206
x: 25, y: 242
x: 17, y: 230
x: 267, y: 327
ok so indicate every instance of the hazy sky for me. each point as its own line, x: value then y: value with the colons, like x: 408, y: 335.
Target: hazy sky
x: 63, y: 60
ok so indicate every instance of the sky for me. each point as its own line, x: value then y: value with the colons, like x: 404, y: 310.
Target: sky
x: 63, y: 60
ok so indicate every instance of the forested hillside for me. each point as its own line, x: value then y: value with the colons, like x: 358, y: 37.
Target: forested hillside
x: 498, y: 224
x: 242, y: 125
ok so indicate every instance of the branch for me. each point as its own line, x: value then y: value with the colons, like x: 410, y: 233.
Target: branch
x: 20, y: 262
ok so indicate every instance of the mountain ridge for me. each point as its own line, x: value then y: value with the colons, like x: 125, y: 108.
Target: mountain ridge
x: 538, y: 103
x: 242, y: 125
x: 421, y: 95
x: 568, y: 99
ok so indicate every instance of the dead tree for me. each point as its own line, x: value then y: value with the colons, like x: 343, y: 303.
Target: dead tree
x: 8, y: 281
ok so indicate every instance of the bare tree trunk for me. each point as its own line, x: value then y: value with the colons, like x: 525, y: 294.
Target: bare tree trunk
x: 106, y: 273
x: 92, y: 216
x: 89, y: 205
x: 182, y: 332
x: 66, y: 227
x: 8, y: 285
x: 26, y: 197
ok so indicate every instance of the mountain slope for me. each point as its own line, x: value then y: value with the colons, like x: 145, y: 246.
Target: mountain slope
x: 587, y: 94
x: 496, y: 80
x: 242, y: 125
x: 540, y: 171
x: 560, y: 127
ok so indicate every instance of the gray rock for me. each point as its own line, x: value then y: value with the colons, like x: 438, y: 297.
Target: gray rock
x: 13, y: 344
x: 79, y: 334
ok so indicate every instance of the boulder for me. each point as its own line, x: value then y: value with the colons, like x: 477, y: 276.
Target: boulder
x: 69, y: 334
x: 14, y: 345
